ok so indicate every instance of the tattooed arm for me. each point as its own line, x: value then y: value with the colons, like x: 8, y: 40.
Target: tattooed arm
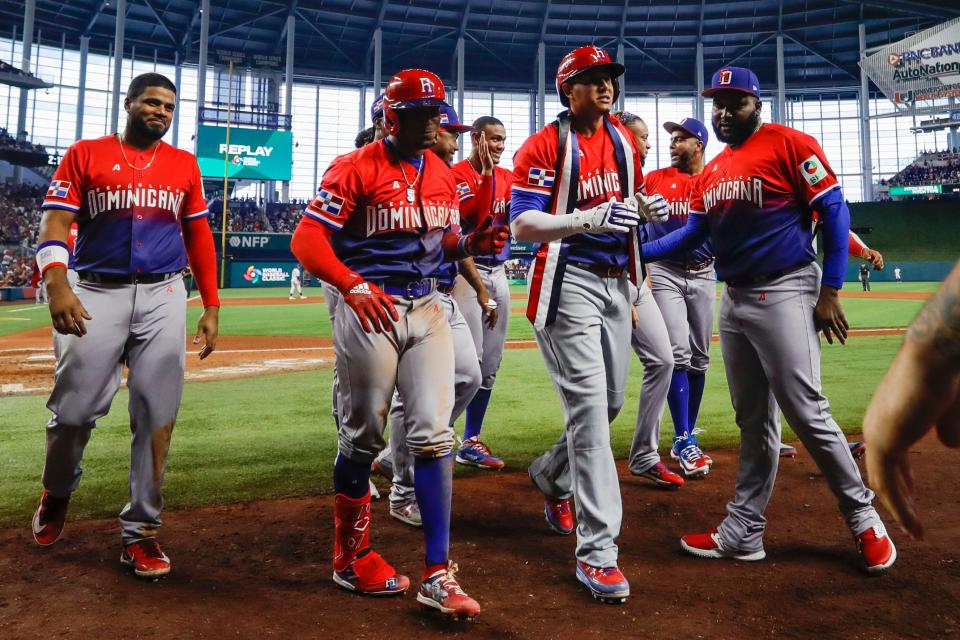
x: 919, y: 392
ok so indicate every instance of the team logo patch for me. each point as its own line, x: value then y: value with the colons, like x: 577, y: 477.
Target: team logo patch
x: 444, y: 118
x: 726, y: 76
x: 58, y: 189
x: 541, y: 177
x: 463, y: 189
x: 329, y: 202
x: 812, y: 170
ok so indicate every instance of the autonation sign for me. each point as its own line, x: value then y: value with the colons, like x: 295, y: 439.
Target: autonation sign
x: 923, y: 67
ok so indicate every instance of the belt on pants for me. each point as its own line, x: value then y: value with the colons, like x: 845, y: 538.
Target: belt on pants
x: 487, y: 263
x: 604, y: 271
x: 409, y: 289
x: 692, y: 266
x: 445, y: 288
x: 100, y: 277
x: 764, y: 278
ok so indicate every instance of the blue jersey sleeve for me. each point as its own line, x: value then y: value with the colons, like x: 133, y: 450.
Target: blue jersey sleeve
x: 835, y: 227
x: 522, y: 200
x: 688, y: 237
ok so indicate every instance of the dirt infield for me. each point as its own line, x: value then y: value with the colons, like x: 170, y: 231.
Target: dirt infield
x: 261, y: 570
x: 27, y: 361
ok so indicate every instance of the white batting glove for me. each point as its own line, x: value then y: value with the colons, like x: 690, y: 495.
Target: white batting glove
x: 612, y: 216
x: 653, y: 208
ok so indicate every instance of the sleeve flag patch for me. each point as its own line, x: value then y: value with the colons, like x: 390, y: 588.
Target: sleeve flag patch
x: 541, y: 177
x: 58, y: 189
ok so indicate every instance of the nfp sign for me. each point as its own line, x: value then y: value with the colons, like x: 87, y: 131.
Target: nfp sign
x: 252, y: 154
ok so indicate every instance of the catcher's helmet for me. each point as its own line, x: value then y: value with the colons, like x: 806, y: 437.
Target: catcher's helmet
x: 583, y: 59
x: 408, y: 89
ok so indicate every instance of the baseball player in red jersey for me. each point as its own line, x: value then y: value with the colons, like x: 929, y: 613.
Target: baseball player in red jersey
x: 754, y: 202
x: 573, y: 192
x: 377, y: 230
x: 395, y: 460
x: 484, y: 191
x: 141, y: 215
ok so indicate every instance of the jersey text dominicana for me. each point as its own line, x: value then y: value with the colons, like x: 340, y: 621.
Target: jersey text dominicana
x: 599, y: 180
x: 378, y: 233
x: 758, y: 200
x: 128, y: 217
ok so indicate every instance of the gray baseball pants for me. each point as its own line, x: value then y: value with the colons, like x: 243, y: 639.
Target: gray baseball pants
x: 415, y: 356
x: 686, y: 299
x: 586, y: 354
x: 489, y: 342
x: 651, y: 343
x: 142, y: 326
x: 396, y: 458
x: 771, y: 351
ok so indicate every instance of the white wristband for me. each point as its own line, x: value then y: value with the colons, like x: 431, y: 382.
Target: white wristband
x: 52, y: 253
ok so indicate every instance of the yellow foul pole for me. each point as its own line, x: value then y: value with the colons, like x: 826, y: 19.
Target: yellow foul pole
x: 226, y: 169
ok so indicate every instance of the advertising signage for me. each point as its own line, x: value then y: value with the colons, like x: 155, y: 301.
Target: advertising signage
x: 917, y: 190
x: 253, y: 154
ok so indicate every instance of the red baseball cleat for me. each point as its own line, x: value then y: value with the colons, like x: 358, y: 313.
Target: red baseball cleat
x: 662, y: 476
x: 707, y: 545
x: 559, y: 515
x: 607, y: 584
x: 441, y: 591
x: 49, y: 518
x: 146, y: 559
x: 371, y: 575
x: 877, y: 549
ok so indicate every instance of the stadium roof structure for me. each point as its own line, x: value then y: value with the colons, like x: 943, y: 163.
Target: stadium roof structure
x: 334, y: 38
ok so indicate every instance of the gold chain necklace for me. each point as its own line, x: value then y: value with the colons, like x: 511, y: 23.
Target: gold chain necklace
x: 146, y: 166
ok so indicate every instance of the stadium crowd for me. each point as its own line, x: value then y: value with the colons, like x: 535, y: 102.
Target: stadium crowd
x: 20, y: 143
x: 941, y: 167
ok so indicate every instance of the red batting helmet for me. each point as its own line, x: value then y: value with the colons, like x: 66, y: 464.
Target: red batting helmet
x: 583, y: 59
x: 408, y: 89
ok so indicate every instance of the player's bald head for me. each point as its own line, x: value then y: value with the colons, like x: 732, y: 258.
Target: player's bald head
x: 146, y: 80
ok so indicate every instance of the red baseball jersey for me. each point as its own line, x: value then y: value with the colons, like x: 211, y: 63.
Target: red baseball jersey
x: 534, y: 173
x: 472, y: 211
x: 380, y: 232
x: 758, y: 199
x: 129, y: 211
x: 676, y: 187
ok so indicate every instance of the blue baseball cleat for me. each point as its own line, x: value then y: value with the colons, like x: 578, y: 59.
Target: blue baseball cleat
x: 474, y: 453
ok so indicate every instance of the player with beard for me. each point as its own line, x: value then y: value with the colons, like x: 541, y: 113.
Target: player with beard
x: 755, y: 202
x: 141, y: 216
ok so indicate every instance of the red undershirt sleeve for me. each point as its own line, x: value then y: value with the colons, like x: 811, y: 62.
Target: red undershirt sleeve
x: 311, y: 245
x: 202, y: 254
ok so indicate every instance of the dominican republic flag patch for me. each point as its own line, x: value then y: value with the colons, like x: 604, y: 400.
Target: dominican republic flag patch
x: 58, y: 189
x: 463, y: 189
x: 329, y: 203
x: 541, y: 177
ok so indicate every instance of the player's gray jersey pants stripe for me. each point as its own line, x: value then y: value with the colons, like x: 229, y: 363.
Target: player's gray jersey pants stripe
x: 651, y: 343
x: 686, y: 300
x: 333, y: 299
x: 771, y: 352
x: 489, y: 342
x: 396, y: 458
x: 416, y: 357
x: 586, y: 354
x: 143, y: 326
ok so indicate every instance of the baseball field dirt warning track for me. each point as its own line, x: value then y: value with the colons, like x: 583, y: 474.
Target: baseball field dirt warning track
x: 262, y: 570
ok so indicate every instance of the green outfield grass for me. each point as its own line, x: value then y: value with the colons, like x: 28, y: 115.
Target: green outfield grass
x: 274, y: 436
x: 287, y: 318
